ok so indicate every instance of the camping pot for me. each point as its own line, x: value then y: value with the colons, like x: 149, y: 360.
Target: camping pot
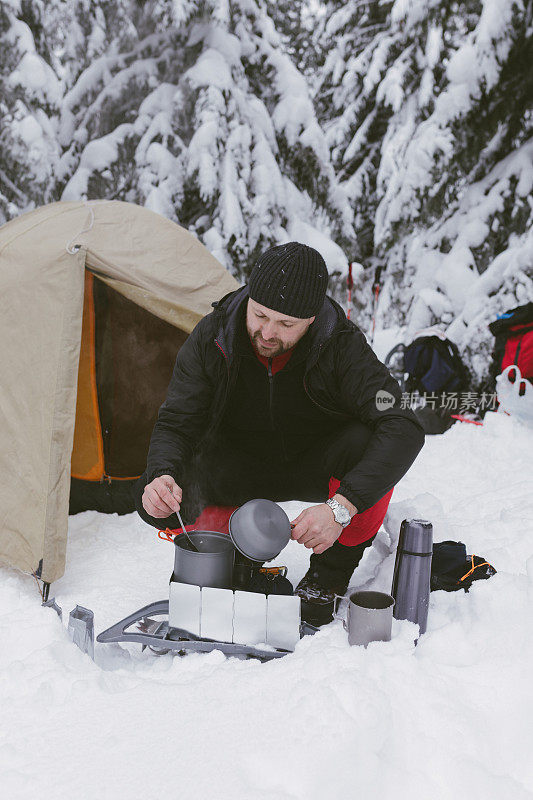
x: 412, y: 572
x: 212, y: 565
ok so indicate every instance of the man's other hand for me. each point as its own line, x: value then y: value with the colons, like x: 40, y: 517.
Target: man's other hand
x: 316, y: 528
x: 161, y: 497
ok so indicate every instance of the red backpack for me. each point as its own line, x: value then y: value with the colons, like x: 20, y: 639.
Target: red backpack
x: 514, y: 341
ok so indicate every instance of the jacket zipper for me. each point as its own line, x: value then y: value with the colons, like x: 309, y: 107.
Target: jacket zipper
x: 271, y: 392
x: 271, y: 409
x: 223, y: 353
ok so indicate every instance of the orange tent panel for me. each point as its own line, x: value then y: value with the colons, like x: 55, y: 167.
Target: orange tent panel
x: 88, y: 452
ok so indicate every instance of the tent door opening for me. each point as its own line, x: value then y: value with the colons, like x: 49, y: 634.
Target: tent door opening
x: 126, y: 359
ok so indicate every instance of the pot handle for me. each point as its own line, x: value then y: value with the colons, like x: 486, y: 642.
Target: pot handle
x: 167, y: 535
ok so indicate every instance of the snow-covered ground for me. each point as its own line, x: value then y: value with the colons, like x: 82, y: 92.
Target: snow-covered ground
x: 448, y: 719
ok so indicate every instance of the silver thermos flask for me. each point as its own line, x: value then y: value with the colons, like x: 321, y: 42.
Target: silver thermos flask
x: 412, y: 572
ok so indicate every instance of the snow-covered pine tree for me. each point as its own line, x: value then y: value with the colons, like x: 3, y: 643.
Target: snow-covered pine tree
x: 30, y: 94
x: 346, y: 102
x: 195, y: 110
x: 296, y: 20
x: 420, y: 134
x: 432, y: 142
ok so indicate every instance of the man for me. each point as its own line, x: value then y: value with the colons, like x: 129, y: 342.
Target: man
x: 275, y: 394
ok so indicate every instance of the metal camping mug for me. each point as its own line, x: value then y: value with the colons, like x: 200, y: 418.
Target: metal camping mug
x: 368, y: 617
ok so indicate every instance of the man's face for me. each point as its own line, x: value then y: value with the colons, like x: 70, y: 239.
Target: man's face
x: 273, y: 333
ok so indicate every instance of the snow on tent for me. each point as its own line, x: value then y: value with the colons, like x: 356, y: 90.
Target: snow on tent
x: 95, y: 300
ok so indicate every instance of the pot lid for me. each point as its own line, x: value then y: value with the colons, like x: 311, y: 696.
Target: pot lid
x: 259, y: 529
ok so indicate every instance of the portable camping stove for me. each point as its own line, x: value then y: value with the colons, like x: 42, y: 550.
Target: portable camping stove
x: 149, y: 627
x: 238, y: 623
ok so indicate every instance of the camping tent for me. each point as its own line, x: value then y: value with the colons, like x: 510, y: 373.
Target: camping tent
x: 95, y: 300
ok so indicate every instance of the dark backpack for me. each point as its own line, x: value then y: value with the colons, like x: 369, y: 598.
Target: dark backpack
x: 513, y: 331
x: 433, y: 366
x: 430, y: 366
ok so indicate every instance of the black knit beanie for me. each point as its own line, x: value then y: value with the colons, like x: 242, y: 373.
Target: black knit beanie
x: 290, y: 278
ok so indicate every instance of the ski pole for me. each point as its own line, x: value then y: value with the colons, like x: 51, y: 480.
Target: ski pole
x: 349, y: 286
x: 375, y: 305
x: 376, y: 286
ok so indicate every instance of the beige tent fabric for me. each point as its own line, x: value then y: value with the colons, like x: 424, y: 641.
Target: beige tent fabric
x: 147, y: 258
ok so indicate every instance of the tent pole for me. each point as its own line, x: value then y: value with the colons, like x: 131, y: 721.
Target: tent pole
x: 46, y: 591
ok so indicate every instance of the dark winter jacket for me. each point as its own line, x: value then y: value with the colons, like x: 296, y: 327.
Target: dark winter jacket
x: 342, y: 377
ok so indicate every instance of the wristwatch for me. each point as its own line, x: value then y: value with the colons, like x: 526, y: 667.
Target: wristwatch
x: 340, y: 512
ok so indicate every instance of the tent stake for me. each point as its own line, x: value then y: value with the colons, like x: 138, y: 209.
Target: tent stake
x: 46, y: 591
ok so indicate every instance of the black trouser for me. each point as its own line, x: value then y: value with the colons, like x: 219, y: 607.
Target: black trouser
x: 224, y: 475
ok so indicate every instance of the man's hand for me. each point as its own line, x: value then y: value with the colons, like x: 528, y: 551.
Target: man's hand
x: 161, y: 497
x: 316, y: 528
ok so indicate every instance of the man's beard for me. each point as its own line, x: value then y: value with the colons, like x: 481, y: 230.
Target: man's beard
x: 268, y: 352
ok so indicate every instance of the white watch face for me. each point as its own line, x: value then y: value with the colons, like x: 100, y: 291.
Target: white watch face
x: 341, y: 514
x: 344, y: 516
